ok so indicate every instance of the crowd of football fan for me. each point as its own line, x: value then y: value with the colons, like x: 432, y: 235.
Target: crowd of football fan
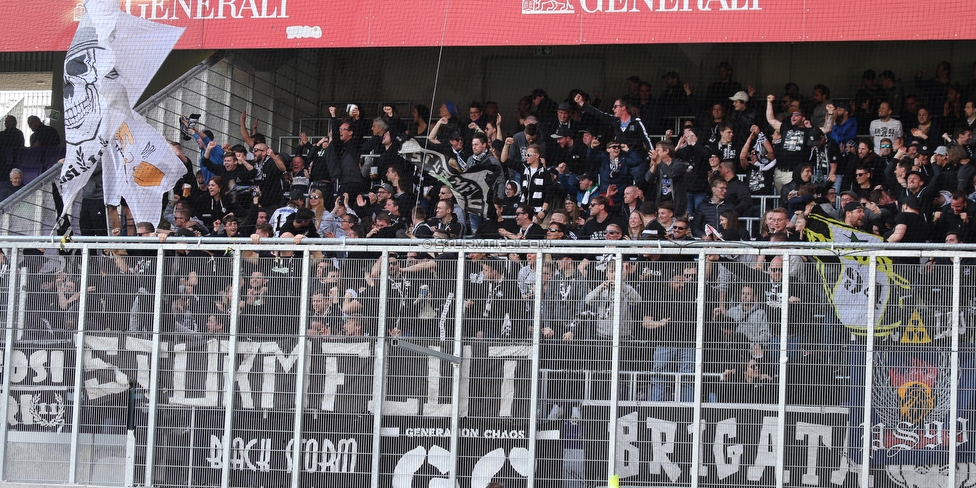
x: 573, y: 171
x: 887, y: 162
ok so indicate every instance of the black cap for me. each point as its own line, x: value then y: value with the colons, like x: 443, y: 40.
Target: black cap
x: 184, y: 232
x: 850, y: 207
x: 565, y: 107
x: 912, y: 202
x: 383, y: 186
x: 562, y: 132
x: 304, y: 214
x: 926, y: 149
x: 814, y: 137
x: 588, y: 176
x: 296, y: 195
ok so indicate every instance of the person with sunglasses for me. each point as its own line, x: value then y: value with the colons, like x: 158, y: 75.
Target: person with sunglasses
x: 617, y: 167
x: 556, y: 231
x: 595, y: 227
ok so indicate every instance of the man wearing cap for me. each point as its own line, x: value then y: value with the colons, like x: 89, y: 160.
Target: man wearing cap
x: 854, y: 215
x: 944, y: 171
x: 742, y: 117
x: 915, y: 187
x: 301, y: 222
x: 885, y: 126
x: 566, y: 152
x: 794, y: 151
x: 562, y: 121
x: 588, y: 190
x: 910, y: 226
x: 371, y: 203
x: 845, y: 126
x: 824, y: 157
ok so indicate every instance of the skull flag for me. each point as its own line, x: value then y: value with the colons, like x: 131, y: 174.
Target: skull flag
x: 112, y: 58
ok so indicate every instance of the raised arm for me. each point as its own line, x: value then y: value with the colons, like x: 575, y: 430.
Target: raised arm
x: 828, y: 119
x: 432, y: 134
x: 770, y: 115
x: 280, y: 163
x: 245, y: 135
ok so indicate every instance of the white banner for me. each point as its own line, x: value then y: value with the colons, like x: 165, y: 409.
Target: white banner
x: 112, y: 58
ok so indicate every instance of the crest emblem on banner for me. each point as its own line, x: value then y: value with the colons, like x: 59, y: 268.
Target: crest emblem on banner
x: 912, y: 391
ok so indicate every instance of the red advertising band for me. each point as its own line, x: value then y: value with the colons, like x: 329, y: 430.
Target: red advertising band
x: 219, y: 24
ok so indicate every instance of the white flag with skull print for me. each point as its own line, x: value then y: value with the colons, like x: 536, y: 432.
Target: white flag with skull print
x: 112, y: 58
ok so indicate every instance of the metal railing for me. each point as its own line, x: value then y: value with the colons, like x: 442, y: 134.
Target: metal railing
x: 222, y: 362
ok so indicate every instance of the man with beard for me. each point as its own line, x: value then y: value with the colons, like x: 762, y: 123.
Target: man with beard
x: 845, y: 126
x: 885, y: 126
x: 270, y: 172
x: 794, y: 151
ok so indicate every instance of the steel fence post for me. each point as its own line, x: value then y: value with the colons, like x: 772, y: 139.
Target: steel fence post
x: 154, y: 369
x: 300, y: 373
x: 8, y: 348
x: 231, y: 373
x: 79, y: 367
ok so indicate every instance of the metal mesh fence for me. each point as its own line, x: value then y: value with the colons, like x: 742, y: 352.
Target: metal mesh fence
x: 196, y: 365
